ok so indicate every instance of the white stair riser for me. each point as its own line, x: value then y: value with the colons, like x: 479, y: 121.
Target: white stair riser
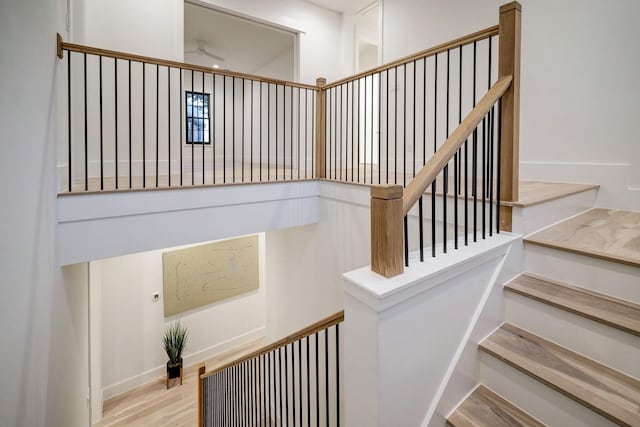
x: 533, y: 218
x: 604, y: 344
x: 606, y: 277
x: 534, y: 397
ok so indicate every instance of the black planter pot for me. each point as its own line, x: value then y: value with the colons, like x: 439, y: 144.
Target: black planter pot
x: 173, y: 369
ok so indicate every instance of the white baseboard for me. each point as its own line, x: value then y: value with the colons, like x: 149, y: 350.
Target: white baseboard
x: 188, y: 360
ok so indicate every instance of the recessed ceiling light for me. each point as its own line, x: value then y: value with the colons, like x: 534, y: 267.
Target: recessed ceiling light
x: 216, y: 66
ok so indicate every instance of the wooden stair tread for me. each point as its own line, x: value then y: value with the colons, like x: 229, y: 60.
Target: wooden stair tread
x: 599, y: 233
x: 601, y: 308
x: 484, y: 408
x: 602, y: 389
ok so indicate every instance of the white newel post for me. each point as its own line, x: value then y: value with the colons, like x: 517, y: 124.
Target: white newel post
x: 403, y: 336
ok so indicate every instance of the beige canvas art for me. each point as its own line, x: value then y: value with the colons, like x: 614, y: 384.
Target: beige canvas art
x: 204, y: 274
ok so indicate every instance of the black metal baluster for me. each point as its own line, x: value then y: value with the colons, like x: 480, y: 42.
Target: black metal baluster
x: 251, y: 128
x: 179, y: 140
x: 326, y: 367
x: 406, y: 240
x: 293, y: 381
x: 233, y: 129
x: 338, y: 374
x: 474, y: 171
x: 306, y: 133
x: 69, y: 174
x: 224, y: 129
x: 358, y: 135
x: 340, y: 130
x: 260, y: 139
x: 308, y: 387
x: 157, y: 120
x: 130, y: 149
x: 276, y: 126
x: 286, y: 383
x: 364, y: 131
x: 387, y: 125
x: 115, y: 115
x: 169, y: 125
x: 86, y: 142
x: 379, y: 128
x: 299, y: 128
x: 300, y: 378
x: 395, y: 128
x: 269, y: 130
x: 483, y: 182
x: 414, y: 120
x: 317, y: 384
x: 490, y: 163
x: 101, y: 133
x: 353, y: 125
x: 499, y: 164
x: 371, y: 163
x: 329, y: 133
x: 192, y: 121
x: 445, y: 175
x: 242, y: 133
x: 268, y: 384
x: 404, y: 131
x: 280, y: 382
x: 204, y: 104
x: 212, y: 126
x: 435, y: 148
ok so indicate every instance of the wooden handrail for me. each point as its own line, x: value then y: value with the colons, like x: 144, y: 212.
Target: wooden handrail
x: 453, y: 44
x: 434, y: 166
x: 302, y: 333
x: 71, y: 47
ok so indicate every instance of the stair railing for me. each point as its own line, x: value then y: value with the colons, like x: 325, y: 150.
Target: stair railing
x: 136, y: 122
x: 482, y: 152
x: 294, y: 381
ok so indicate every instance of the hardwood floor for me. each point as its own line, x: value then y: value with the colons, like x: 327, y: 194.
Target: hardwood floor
x: 153, y: 405
x: 608, y: 392
x: 610, y: 311
x: 484, y: 408
x: 601, y: 233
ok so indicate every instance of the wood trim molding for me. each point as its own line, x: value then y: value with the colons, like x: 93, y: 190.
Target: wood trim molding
x: 59, y: 50
x: 302, y: 333
x: 71, y: 47
x: 470, y: 38
x: 437, y: 162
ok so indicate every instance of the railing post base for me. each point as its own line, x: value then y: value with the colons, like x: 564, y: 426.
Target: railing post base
x: 509, y: 65
x: 387, y: 230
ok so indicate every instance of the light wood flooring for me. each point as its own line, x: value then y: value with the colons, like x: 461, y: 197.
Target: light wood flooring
x: 601, y: 308
x: 484, y: 408
x: 602, y: 233
x: 602, y: 389
x: 153, y: 405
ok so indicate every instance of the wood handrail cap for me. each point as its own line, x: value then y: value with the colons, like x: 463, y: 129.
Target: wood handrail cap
x: 387, y: 192
x: 511, y: 6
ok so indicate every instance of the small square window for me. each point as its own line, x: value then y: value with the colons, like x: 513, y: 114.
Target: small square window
x: 197, y: 117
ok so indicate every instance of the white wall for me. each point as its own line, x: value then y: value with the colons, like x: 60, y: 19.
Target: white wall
x: 132, y: 325
x: 579, y: 80
x: 305, y: 264
x: 321, y: 32
x: 136, y: 26
x: 35, y: 323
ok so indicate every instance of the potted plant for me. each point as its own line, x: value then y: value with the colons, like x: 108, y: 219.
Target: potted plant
x: 174, y: 340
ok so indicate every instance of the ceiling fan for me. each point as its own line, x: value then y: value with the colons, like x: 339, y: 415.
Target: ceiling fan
x: 202, y: 50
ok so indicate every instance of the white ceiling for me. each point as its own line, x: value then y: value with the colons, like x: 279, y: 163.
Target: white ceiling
x: 345, y: 6
x: 245, y: 46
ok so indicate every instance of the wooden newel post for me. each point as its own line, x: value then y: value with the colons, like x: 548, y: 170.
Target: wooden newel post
x: 509, y: 65
x: 201, y: 371
x: 321, y: 118
x: 387, y: 230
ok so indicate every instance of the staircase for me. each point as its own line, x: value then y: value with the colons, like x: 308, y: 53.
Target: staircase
x: 568, y: 353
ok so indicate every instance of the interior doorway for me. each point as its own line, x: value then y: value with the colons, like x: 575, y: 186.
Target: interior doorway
x: 219, y: 39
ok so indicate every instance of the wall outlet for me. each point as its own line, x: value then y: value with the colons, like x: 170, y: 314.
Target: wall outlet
x: 155, y: 297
